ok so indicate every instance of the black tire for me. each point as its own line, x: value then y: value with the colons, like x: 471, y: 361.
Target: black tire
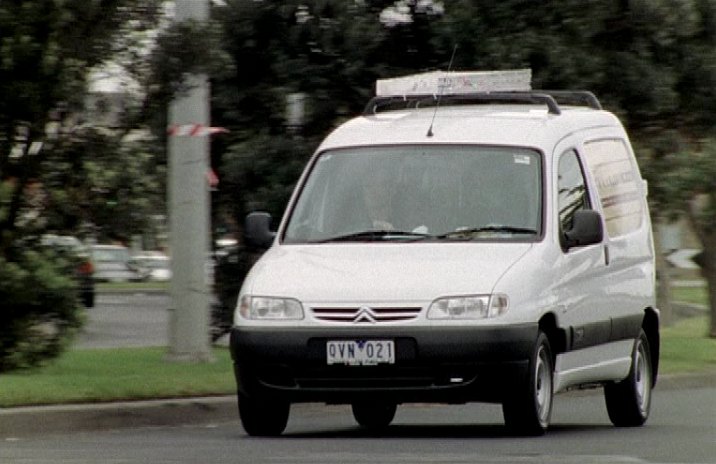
x: 629, y: 401
x: 263, y: 418
x: 374, y: 416
x: 529, y: 410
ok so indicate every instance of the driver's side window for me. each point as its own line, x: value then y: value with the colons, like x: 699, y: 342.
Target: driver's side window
x: 572, y: 189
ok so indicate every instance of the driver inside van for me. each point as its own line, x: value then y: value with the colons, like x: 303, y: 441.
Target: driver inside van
x: 378, y: 189
x: 382, y: 190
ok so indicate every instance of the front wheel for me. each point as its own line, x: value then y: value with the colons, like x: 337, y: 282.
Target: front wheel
x: 263, y: 417
x: 374, y: 416
x: 629, y: 401
x: 529, y: 410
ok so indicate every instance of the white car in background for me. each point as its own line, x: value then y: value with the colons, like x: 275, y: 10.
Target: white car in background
x: 155, y: 266
x: 112, y: 263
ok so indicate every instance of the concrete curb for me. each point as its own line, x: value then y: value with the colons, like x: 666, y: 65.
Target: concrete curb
x: 42, y: 420
x: 31, y: 421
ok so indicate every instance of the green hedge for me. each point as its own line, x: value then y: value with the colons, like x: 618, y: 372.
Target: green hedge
x: 39, y: 309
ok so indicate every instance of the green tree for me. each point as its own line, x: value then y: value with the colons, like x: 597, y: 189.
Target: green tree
x: 39, y: 307
x: 678, y: 142
x: 696, y: 178
x: 331, y: 52
x: 47, y: 49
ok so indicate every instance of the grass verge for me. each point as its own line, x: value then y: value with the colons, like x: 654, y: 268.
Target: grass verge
x: 116, y: 374
x: 686, y: 348
x: 691, y: 295
x: 80, y: 376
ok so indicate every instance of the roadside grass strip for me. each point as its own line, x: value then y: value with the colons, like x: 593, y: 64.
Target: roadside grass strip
x: 103, y: 375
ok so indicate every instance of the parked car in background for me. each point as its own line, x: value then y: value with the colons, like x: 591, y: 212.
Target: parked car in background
x: 81, y: 263
x: 154, y: 265
x: 113, y: 263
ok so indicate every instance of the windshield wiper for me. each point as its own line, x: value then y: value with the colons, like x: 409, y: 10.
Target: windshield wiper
x: 473, y: 231
x: 375, y: 235
x: 384, y: 234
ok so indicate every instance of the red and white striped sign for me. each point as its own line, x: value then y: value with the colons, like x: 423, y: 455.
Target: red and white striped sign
x: 198, y: 130
x: 194, y: 130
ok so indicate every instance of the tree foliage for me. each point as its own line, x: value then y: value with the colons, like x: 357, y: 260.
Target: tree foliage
x: 330, y: 52
x: 48, y: 49
x: 648, y: 61
x: 50, y: 163
x: 103, y: 184
x: 39, y: 308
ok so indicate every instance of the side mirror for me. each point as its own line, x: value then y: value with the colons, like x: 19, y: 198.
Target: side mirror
x: 586, y: 229
x: 256, y: 230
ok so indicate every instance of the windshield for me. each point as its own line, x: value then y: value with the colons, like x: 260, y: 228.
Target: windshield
x: 419, y: 193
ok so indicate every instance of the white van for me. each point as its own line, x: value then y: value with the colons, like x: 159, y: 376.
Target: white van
x: 465, y: 239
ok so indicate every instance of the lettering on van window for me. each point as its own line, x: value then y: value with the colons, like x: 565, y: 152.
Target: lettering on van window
x: 618, y: 186
x: 615, y: 180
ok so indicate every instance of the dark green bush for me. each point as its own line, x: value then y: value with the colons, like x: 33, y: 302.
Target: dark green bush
x: 39, y: 310
x: 232, y: 265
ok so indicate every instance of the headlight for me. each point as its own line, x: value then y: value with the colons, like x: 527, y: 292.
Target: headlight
x: 269, y: 308
x: 469, y: 307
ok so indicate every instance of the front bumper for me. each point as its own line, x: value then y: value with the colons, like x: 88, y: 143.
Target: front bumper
x: 432, y: 364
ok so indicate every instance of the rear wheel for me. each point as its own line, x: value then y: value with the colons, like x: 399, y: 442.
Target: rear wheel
x: 629, y: 401
x: 374, y: 416
x: 529, y: 410
x: 263, y: 417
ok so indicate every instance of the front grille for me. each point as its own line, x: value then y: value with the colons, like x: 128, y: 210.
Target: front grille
x: 365, y: 314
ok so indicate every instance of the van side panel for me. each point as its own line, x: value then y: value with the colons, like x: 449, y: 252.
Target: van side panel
x: 605, y: 288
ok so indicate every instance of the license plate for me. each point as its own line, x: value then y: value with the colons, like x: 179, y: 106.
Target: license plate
x: 360, y: 352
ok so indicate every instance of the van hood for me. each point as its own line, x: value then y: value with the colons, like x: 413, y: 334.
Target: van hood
x: 381, y: 272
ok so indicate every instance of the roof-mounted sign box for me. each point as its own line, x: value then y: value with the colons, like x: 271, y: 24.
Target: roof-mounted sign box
x: 455, y: 83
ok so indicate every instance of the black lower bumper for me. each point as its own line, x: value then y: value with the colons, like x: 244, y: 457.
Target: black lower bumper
x: 432, y: 364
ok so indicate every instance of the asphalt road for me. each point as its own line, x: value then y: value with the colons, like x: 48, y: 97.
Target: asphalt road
x: 127, y: 320
x: 682, y: 429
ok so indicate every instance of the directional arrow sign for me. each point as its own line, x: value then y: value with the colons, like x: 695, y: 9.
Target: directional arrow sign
x: 683, y: 258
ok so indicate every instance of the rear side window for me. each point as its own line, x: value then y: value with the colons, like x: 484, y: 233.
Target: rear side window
x: 572, y: 189
x: 618, y: 185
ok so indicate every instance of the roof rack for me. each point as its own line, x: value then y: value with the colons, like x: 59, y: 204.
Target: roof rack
x: 550, y: 98
x: 378, y: 104
x: 470, y: 87
x: 575, y: 97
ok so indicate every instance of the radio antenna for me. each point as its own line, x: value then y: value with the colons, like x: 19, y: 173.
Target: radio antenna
x: 440, y: 94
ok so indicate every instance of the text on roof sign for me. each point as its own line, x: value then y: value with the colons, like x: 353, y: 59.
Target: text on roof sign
x: 456, y: 83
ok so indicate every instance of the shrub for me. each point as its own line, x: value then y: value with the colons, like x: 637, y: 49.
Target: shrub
x: 232, y: 265
x: 39, y: 310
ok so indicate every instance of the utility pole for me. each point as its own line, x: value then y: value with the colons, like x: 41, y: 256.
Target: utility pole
x: 189, y: 205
